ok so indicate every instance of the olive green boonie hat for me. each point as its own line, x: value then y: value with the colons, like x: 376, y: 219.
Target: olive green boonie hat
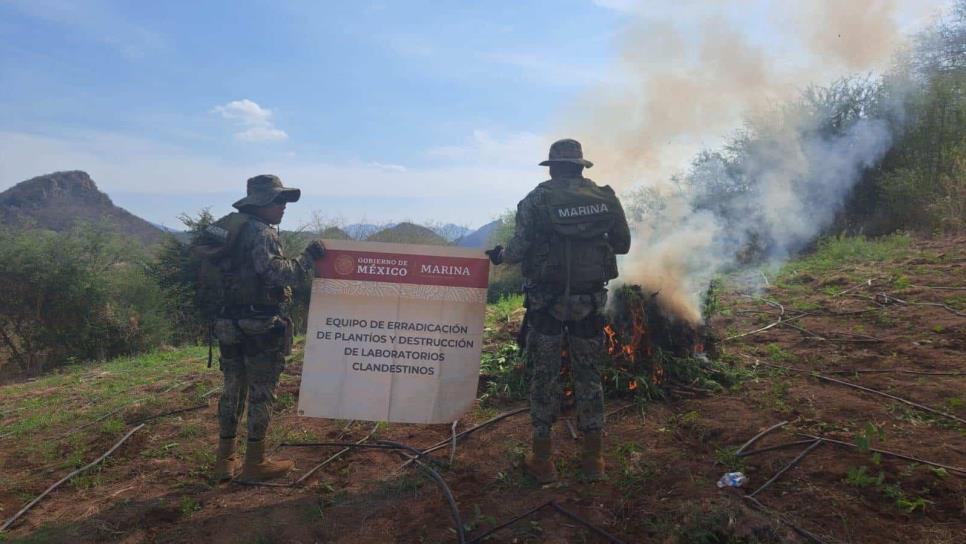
x: 567, y: 151
x: 263, y: 189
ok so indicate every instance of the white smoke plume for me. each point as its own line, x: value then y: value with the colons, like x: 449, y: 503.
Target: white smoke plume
x: 694, y: 77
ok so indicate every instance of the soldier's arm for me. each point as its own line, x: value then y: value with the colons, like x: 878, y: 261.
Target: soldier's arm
x: 272, y: 265
x: 619, y: 236
x: 519, y: 244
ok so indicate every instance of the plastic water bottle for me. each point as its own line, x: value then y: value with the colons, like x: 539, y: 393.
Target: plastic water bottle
x: 732, y: 479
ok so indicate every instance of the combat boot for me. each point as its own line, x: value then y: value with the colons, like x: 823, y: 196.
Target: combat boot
x: 592, y: 460
x: 227, y: 463
x: 538, y: 464
x: 258, y: 468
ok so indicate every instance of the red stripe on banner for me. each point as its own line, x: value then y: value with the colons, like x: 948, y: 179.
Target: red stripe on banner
x: 404, y: 268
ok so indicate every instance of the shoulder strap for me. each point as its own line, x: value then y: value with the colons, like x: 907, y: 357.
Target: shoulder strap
x: 219, y: 238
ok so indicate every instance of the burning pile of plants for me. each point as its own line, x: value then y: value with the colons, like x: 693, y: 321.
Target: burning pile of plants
x: 652, y: 352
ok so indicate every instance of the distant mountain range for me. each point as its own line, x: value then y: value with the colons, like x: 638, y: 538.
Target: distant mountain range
x: 61, y: 200
x: 479, y: 237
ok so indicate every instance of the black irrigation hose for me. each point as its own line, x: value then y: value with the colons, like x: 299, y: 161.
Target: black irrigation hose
x: 620, y: 409
x: 818, y: 376
x: 758, y: 436
x: 959, y: 471
x: 893, y: 371
x: 336, y: 445
x: 93, y: 463
x: 781, y: 517
x: 893, y: 397
x: 314, y: 469
x: 454, y: 508
x: 786, y: 468
x: 561, y: 510
x: 585, y: 523
x: 170, y: 413
x: 509, y: 522
x: 395, y: 446
x: 443, y: 443
x: 775, y: 447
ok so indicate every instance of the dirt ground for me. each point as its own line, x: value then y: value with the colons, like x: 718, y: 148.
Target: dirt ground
x: 663, y: 460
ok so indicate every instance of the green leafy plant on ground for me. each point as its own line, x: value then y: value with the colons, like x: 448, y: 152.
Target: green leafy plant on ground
x: 189, y: 505
x: 501, y: 311
x: 862, y: 476
x: 837, y: 252
x: 503, y: 375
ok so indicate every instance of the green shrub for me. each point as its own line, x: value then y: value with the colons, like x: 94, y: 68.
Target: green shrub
x: 79, y: 295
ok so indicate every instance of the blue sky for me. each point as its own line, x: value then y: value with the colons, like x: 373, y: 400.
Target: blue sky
x: 379, y: 111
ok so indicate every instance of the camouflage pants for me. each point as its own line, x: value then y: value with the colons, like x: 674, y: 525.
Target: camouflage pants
x: 251, y: 368
x: 584, y: 341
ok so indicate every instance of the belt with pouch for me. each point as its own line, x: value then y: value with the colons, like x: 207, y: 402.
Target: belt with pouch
x: 241, y: 311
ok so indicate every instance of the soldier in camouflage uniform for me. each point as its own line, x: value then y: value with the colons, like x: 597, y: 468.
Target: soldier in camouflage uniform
x: 568, y: 231
x: 254, y: 333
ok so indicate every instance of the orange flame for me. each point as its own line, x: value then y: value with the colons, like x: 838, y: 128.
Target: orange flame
x: 632, y: 385
x: 637, y: 346
x: 613, y: 345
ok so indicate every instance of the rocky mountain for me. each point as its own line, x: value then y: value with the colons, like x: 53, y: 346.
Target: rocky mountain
x: 60, y: 200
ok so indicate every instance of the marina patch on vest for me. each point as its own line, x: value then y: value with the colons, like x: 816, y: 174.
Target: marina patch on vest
x: 582, y: 211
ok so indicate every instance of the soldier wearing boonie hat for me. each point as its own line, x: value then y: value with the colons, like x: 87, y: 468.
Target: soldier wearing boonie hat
x: 264, y: 189
x: 567, y: 233
x: 253, y: 329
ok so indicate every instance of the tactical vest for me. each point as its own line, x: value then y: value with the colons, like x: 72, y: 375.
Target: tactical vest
x: 571, y: 247
x: 226, y: 276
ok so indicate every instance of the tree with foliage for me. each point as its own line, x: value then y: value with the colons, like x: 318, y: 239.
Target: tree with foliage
x: 80, y: 295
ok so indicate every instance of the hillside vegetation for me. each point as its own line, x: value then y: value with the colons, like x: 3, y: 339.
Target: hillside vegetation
x: 885, y: 314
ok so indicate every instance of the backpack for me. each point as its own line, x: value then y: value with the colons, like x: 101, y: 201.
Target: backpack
x: 575, y: 250
x: 213, y: 247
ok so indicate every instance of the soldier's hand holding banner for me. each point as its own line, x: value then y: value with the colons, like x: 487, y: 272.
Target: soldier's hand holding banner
x: 394, y: 332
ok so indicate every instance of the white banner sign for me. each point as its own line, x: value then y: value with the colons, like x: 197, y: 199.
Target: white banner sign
x: 394, y: 332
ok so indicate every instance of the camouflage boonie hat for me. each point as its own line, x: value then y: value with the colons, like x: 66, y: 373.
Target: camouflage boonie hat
x: 567, y: 150
x: 263, y: 189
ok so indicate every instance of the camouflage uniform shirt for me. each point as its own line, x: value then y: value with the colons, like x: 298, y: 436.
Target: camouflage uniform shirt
x: 551, y: 314
x: 253, y: 347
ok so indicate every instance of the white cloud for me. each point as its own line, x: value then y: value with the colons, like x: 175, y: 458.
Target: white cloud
x: 245, y: 111
x: 388, y: 167
x: 261, y: 134
x: 255, y: 121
